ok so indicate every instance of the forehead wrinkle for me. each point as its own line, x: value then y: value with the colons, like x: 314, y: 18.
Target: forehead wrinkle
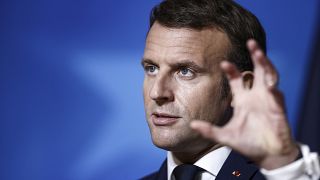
x: 172, y: 38
x: 183, y: 42
x: 176, y: 49
x: 173, y: 32
x: 182, y: 45
x: 176, y: 56
x: 205, y: 46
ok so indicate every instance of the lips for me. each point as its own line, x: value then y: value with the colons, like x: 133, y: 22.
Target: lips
x: 163, y: 119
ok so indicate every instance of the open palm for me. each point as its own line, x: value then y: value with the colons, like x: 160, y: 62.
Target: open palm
x: 258, y: 128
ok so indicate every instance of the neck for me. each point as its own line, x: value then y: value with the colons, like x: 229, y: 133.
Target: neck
x: 191, y: 157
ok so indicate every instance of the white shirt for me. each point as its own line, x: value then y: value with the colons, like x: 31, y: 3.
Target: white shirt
x: 211, y: 162
x: 307, y: 168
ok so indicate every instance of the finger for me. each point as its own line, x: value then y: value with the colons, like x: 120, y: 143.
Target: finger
x: 264, y: 71
x: 271, y: 76
x: 233, y: 75
x: 257, y: 57
x: 277, y: 105
x: 209, y: 131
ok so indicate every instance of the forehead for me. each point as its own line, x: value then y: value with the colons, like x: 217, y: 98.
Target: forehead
x: 168, y: 44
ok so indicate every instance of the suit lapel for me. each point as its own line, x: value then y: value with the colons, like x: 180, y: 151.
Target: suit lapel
x: 161, y: 174
x: 163, y: 171
x: 235, y: 162
x: 236, y: 167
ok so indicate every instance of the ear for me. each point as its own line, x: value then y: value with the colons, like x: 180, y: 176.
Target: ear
x: 247, y: 79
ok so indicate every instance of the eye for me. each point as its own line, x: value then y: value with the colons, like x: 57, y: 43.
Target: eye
x: 186, y: 72
x: 151, y: 69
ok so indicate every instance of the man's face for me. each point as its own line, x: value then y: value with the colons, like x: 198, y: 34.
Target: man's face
x: 182, y: 83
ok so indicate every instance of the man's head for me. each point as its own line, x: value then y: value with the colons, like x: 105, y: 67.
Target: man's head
x: 183, y: 82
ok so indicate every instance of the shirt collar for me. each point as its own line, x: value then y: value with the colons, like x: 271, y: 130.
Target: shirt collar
x: 211, y: 162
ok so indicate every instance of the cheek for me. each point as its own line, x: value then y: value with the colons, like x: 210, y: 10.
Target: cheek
x: 146, y: 88
x: 146, y: 97
x: 200, y: 101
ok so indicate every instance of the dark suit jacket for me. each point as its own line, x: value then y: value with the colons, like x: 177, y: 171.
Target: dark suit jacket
x: 234, y: 162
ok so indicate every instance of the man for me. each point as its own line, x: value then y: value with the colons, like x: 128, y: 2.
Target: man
x: 210, y: 95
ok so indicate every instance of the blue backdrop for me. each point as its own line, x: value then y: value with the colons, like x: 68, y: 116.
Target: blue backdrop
x: 71, y: 83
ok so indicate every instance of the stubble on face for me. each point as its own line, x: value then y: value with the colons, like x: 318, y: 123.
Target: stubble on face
x: 195, y: 98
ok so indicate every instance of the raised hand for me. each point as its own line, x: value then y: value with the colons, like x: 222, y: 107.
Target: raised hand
x: 259, y: 128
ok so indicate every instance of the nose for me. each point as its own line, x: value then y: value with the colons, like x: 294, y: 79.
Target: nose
x: 162, y: 90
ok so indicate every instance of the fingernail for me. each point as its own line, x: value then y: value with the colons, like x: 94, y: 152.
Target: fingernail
x: 270, y: 80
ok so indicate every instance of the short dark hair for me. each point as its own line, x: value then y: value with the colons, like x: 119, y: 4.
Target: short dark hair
x: 226, y: 15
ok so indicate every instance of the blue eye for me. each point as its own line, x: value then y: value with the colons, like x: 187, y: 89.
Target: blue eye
x: 151, y: 69
x: 186, y: 72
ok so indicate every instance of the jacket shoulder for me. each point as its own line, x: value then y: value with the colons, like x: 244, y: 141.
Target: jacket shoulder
x: 237, y: 163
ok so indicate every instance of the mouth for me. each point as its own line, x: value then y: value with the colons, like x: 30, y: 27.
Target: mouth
x: 164, y: 119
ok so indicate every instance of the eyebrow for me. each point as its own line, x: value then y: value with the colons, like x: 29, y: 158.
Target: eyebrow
x: 147, y: 61
x: 181, y: 63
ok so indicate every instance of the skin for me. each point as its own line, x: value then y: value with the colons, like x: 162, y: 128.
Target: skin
x: 185, y: 83
x: 183, y: 79
x: 258, y: 129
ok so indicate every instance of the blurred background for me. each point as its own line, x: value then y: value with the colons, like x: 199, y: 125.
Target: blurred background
x: 71, y: 84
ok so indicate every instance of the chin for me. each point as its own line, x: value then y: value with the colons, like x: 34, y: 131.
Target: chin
x: 164, y: 146
x: 171, y: 141
x: 170, y: 147
x: 165, y: 141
